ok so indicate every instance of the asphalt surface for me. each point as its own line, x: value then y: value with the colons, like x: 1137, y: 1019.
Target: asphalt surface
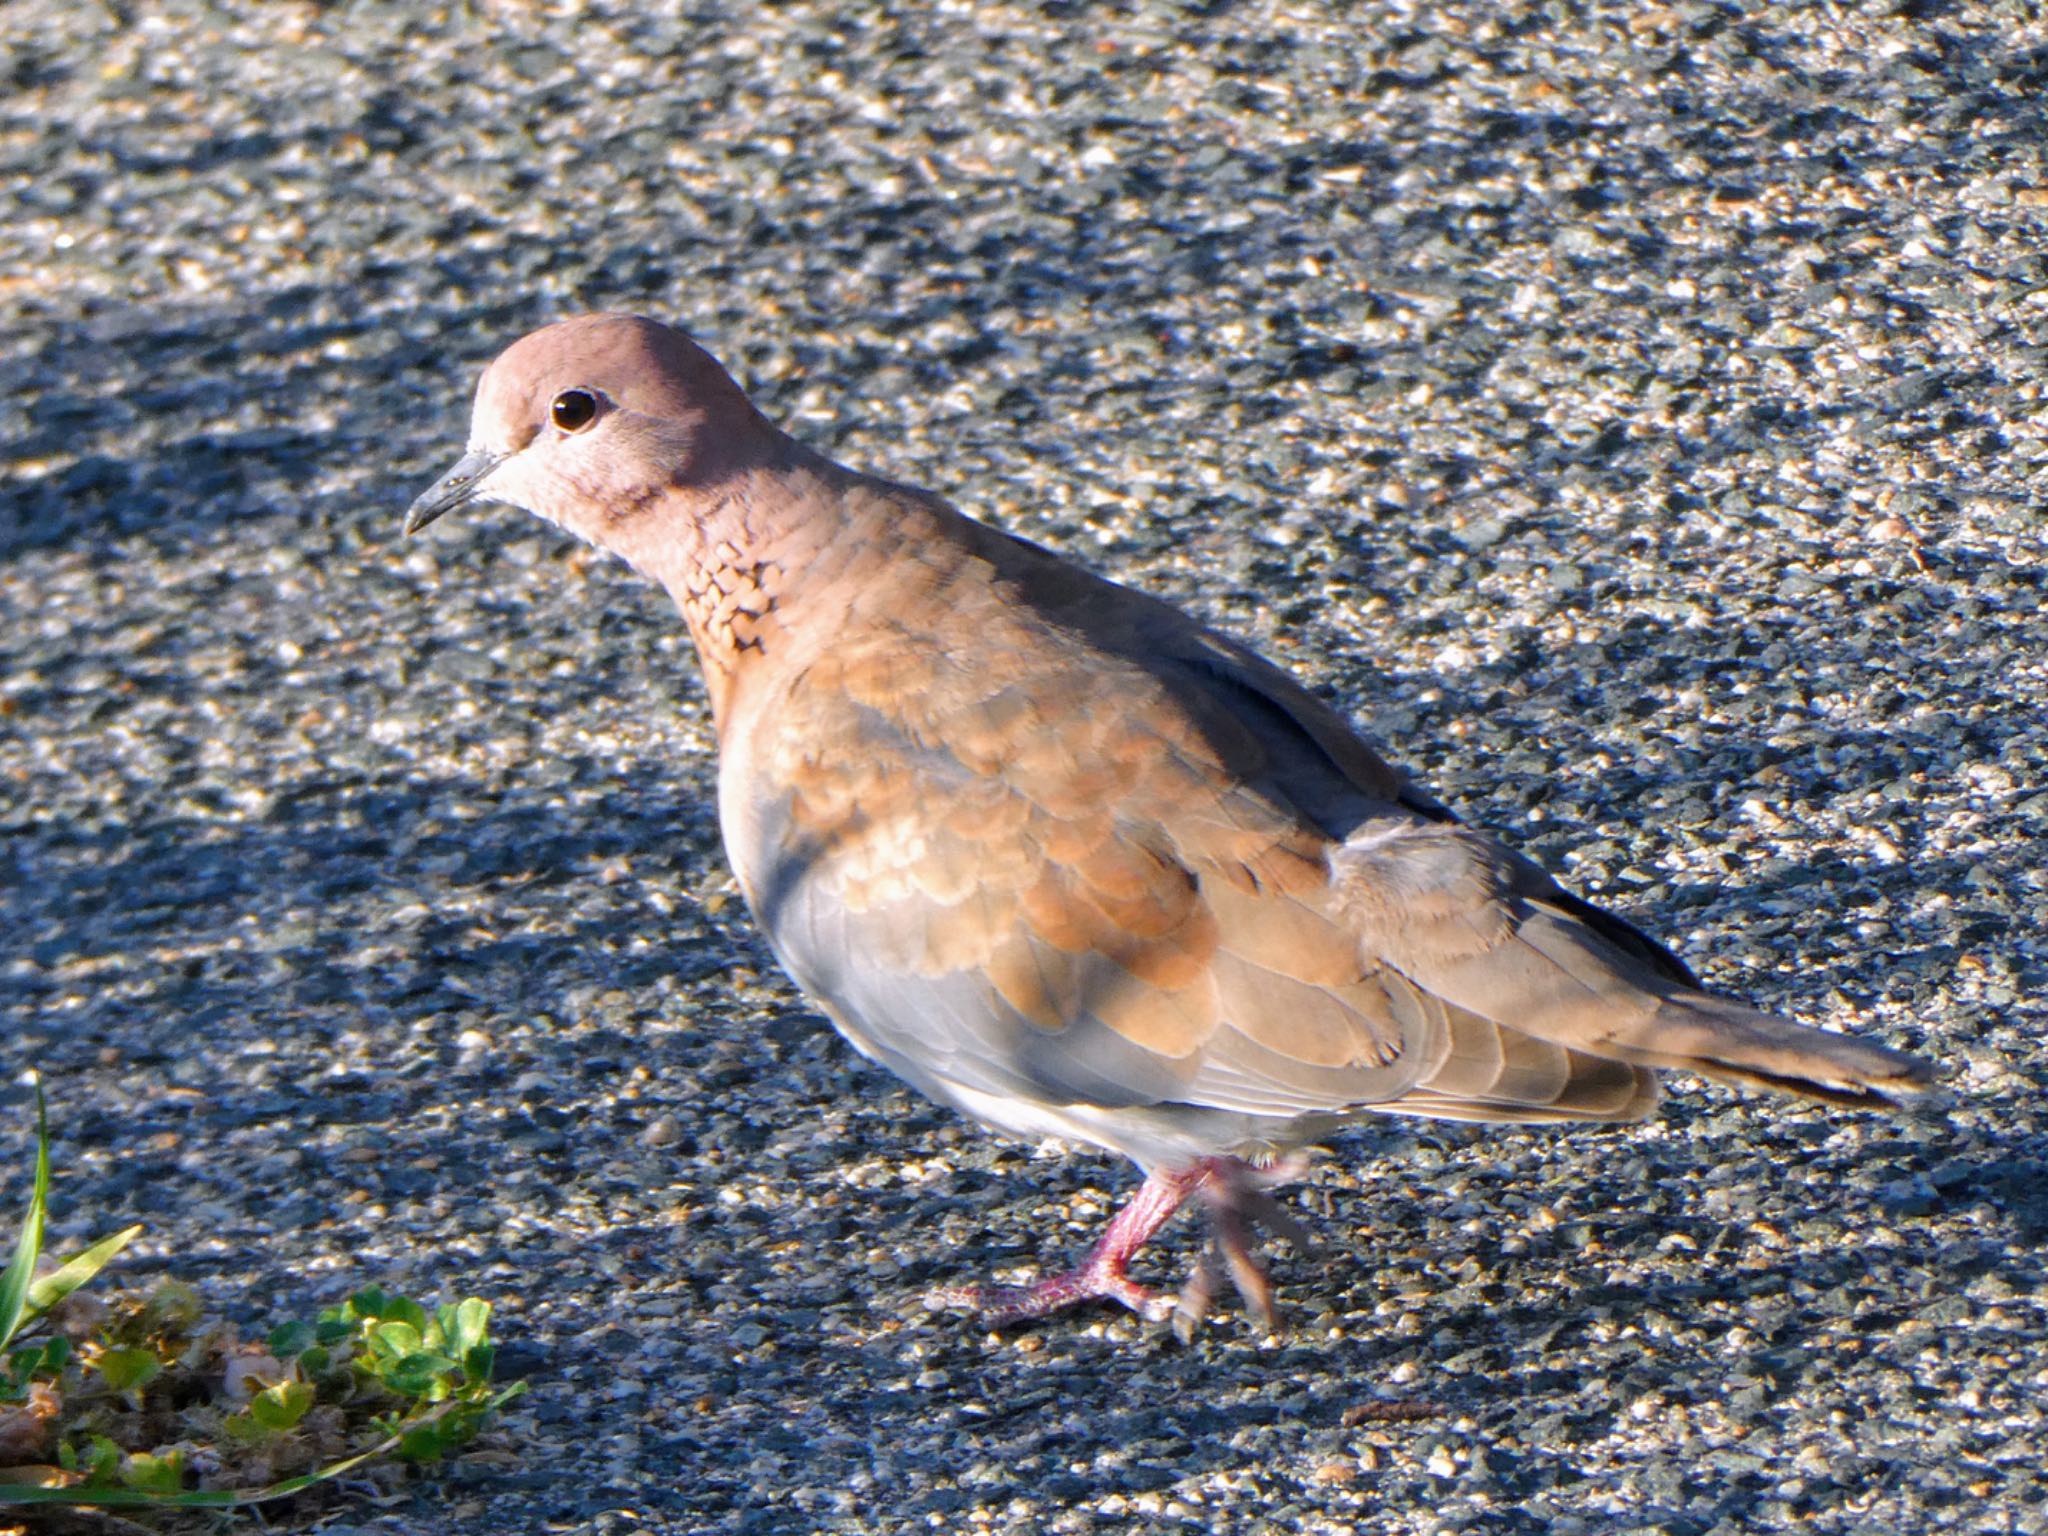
x: 1632, y: 414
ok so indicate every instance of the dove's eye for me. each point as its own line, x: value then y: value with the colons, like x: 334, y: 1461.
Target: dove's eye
x: 573, y: 410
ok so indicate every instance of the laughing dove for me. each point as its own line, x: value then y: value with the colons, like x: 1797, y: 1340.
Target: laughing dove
x: 1067, y: 861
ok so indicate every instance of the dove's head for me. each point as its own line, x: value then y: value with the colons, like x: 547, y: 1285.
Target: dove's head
x: 602, y: 424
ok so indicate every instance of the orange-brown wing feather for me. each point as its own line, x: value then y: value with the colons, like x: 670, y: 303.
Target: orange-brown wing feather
x: 1017, y: 898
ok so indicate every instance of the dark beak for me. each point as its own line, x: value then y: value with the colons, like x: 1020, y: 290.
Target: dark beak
x: 459, y: 485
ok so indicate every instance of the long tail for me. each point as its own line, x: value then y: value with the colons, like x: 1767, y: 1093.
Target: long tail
x: 1537, y: 989
x: 1559, y: 985
x: 1728, y: 1041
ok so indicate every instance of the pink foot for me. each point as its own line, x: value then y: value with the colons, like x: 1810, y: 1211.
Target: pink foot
x: 1234, y: 1191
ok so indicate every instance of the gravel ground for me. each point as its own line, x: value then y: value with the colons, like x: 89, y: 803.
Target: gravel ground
x: 1633, y: 412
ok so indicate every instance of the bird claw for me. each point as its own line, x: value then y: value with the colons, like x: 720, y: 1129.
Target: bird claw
x: 1237, y: 1199
x: 1269, y: 1213
x: 1230, y: 1253
x: 1001, y: 1305
x: 1191, y: 1307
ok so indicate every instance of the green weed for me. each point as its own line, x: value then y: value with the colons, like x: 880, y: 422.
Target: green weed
x: 144, y: 1400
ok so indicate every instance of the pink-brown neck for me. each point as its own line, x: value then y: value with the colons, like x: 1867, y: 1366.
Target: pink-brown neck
x: 628, y: 434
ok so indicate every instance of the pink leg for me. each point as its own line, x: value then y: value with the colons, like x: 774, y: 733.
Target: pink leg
x: 1233, y: 1190
x: 1101, y: 1275
x: 1237, y: 1199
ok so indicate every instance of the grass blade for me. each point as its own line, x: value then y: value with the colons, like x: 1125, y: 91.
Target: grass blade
x: 28, y: 1247
x: 54, y: 1287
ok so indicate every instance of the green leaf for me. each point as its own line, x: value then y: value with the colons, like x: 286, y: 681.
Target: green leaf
x: 124, y: 1369
x: 394, y: 1341
x: 290, y: 1341
x: 369, y: 1302
x: 398, y: 1309
x: 47, y: 1358
x: 156, y: 1474
x: 429, y: 1442
x: 315, y: 1361
x: 28, y: 1247
x: 333, y: 1328
x: 282, y: 1406
x: 479, y: 1362
x: 466, y: 1325
x: 418, y: 1375
x: 54, y: 1287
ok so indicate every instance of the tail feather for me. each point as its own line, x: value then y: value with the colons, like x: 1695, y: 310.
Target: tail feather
x: 1527, y: 979
x: 1596, y: 997
x: 1732, y: 1043
x: 1497, y: 1073
x: 1595, y: 1088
